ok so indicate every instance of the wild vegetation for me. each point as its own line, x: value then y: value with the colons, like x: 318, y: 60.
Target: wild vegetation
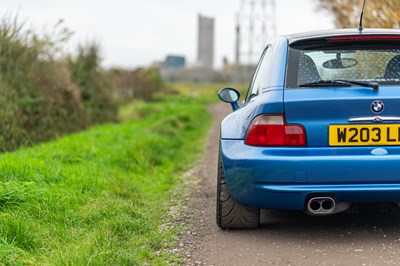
x: 377, y: 13
x: 43, y: 93
x: 139, y: 84
x: 100, y: 197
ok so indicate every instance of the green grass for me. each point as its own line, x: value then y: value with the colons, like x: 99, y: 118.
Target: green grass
x: 100, y: 197
x: 207, y: 92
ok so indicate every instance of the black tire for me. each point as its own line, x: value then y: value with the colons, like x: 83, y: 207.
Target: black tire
x: 231, y: 214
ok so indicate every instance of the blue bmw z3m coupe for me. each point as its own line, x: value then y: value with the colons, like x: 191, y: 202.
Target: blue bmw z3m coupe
x: 318, y: 131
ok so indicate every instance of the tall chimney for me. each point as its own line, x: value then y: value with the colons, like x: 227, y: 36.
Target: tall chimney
x: 237, y: 48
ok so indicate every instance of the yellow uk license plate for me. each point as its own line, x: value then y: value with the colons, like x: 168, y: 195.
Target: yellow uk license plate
x: 364, y: 135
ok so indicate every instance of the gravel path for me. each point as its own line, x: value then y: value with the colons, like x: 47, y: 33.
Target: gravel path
x: 285, y: 238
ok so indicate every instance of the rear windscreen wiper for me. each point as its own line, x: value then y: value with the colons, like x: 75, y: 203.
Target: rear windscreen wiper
x: 342, y: 82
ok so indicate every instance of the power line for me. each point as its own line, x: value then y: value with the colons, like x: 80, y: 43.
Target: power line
x: 255, y: 25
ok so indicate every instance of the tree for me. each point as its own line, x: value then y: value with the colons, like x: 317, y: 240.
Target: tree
x: 377, y: 13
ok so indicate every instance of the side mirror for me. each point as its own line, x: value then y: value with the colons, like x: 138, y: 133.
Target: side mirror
x: 230, y: 95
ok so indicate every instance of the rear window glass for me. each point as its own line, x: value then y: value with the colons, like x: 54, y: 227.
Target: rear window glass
x: 357, y: 63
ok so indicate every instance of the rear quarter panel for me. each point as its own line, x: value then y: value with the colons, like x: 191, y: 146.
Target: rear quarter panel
x: 270, y: 101
x: 235, y: 125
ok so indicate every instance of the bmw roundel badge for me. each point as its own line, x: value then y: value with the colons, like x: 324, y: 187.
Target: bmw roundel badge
x: 377, y: 106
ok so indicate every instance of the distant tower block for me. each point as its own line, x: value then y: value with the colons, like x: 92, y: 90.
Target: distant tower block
x: 255, y: 25
x: 205, y: 52
x: 237, y: 40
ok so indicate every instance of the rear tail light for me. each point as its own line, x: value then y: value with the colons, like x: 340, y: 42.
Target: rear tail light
x: 272, y: 130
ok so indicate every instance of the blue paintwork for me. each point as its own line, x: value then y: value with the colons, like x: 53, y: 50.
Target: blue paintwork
x: 282, y: 178
x: 235, y: 125
x: 259, y: 176
x: 277, y: 76
x: 316, y: 111
x: 235, y: 106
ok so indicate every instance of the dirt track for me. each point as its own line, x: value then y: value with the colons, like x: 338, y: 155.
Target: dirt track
x: 285, y: 238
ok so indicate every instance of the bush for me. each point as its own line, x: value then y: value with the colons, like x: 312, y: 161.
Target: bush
x: 148, y: 83
x: 139, y: 84
x: 95, y: 89
x: 40, y: 99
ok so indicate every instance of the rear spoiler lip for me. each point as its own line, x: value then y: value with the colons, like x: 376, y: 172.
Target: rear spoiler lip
x: 364, y: 38
x: 346, y: 40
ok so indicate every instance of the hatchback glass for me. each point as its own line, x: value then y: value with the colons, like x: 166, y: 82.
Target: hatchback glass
x: 366, y: 64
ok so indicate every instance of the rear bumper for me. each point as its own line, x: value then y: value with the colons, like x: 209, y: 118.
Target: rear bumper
x: 283, y: 178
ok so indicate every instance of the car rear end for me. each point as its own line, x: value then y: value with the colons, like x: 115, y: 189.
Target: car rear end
x: 335, y: 143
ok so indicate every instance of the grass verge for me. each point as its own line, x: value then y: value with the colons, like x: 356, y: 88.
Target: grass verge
x: 97, y: 197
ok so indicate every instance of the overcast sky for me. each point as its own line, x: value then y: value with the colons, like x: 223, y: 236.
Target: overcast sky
x: 137, y: 32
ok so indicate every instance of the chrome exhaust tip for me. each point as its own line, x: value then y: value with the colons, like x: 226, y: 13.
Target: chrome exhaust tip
x: 321, y: 205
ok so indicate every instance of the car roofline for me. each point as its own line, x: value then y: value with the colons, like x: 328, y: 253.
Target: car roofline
x: 292, y: 38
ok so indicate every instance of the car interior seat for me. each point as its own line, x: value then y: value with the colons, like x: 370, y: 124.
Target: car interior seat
x: 392, y: 70
x: 308, y: 72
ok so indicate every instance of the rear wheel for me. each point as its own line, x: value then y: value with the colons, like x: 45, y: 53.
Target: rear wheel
x: 231, y: 214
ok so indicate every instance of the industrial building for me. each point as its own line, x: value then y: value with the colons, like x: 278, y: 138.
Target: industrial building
x: 205, y: 52
x: 175, y: 62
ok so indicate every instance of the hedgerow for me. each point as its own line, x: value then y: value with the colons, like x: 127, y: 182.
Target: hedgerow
x: 44, y: 93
